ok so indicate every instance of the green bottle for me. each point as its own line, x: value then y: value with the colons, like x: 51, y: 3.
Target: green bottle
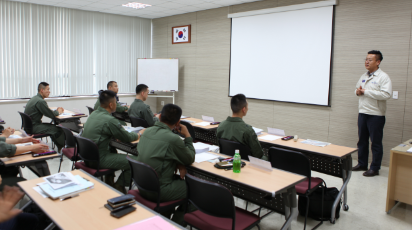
x: 236, y: 162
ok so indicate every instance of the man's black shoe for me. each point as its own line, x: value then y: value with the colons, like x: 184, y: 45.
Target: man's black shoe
x: 370, y: 173
x: 359, y: 168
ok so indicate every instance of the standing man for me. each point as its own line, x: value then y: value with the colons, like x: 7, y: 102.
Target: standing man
x: 139, y: 109
x: 37, y: 107
x: 373, y: 89
x: 101, y: 127
x: 235, y: 129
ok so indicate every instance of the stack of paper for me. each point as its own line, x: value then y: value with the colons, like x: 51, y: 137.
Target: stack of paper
x: 202, y: 147
x: 66, y: 187
x: 258, y: 131
x: 183, y: 117
x: 270, y: 137
x: 60, y: 180
x: 132, y: 129
x: 25, y: 144
x: 409, y: 150
x: 189, y: 121
x: 315, y: 143
x: 203, y: 123
x: 205, y: 157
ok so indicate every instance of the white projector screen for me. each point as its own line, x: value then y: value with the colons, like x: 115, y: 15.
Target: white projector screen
x: 158, y: 74
x: 284, y: 56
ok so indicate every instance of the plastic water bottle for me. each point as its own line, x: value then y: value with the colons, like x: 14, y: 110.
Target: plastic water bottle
x: 236, y: 162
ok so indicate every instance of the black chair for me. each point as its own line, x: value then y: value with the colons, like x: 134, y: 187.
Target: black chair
x: 90, y: 109
x: 298, y: 163
x: 216, y: 207
x: 27, y: 125
x: 146, y: 179
x: 228, y: 147
x: 138, y: 122
x: 69, y: 149
x: 88, y: 151
x: 189, y: 128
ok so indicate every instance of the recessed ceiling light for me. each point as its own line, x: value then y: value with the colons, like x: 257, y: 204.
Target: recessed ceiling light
x: 136, y: 5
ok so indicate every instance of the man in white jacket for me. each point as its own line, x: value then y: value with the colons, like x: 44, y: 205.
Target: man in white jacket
x: 373, y: 89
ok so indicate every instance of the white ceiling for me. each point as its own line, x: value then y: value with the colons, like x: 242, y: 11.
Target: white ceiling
x: 159, y: 8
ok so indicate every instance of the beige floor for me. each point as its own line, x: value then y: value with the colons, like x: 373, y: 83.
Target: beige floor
x: 366, y: 199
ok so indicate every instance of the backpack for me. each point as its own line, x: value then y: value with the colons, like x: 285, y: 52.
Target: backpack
x: 315, y: 204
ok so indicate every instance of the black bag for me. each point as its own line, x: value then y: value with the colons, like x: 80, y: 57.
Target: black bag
x: 315, y: 204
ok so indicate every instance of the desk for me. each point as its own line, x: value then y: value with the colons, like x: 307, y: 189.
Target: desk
x: 37, y: 165
x: 86, y: 211
x: 332, y: 160
x: 399, y: 179
x: 70, y: 122
x: 252, y: 185
x: 204, y: 133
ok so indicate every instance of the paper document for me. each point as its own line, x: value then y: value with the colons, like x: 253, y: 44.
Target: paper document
x: 153, y: 223
x: 25, y: 144
x: 270, y: 137
x: 83, y: 185
x: 315, y: 143
x: 183, y: 117
x: 209, y: 119
x: 132, y: 129
x: 257, y: 131
x: 189, y: 121
x: 38, y: 189
x: 203, y: 123
x: 60, y: 180
x: 260, y: 163
x: 409, y: 150
x: 278, y: 132
x: 202, y: 147
x: 65, y: 114
x: 200, y: 157
x: 14, y: 136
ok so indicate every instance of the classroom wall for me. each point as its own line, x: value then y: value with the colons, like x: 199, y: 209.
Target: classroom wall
x: 9, y: 109
x: 360, y: 26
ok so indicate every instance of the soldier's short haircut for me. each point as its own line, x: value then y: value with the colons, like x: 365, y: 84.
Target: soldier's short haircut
x: 106, y: 97
x: 110, y: 84
x: 238, y: 102
x: 170, y: 114
x: 378, y: 54
x: 140, y: 88
x: 42, y: 85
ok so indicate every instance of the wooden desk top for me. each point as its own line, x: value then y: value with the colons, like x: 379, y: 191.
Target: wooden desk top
x: 20, y: 159
x: 274, y: 181
x: 67, y: 117
x: 330, y: 150
x: 198, y: 121
x: 402, y: 148
x: 85, y: 211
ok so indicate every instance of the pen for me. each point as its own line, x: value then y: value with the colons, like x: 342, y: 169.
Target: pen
x: 68, y: 197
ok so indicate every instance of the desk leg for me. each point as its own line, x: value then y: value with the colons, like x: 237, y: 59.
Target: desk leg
x: 291, y: 208
x: 40, y: 168
x: 346, y: 175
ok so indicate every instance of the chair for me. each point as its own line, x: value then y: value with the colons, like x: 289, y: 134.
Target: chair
x: 138, y: 122
x: 27, y: 125
x: 189, y: 128
x: 228, y: 147
x: 146, y: 179
x: 298, y: 163
x: 69, y: 149
x: 216, y: 207
x: 90, y: 110
x: 88, y: 151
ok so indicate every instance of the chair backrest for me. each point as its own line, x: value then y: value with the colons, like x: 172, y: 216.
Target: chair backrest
x: 69, y: 140
x: 210, y: 198
x: 228, y: 147
x: 145, y: 177
x: 26, y: 123
x: 87, y: 150
x: 90, y: 109
x: 189, y: 128
x: 290, y: 161
x: 138, y: 122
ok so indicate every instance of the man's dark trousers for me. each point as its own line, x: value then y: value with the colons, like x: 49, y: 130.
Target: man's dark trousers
x: 370, y: 126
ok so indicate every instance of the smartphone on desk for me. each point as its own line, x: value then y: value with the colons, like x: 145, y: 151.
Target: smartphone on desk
x: 122, y: 212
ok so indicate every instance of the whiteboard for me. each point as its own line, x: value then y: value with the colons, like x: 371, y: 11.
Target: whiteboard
x: 158, y: 74
x: 283, y: 56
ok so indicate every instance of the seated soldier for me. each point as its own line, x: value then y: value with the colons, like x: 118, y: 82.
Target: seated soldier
x: 235, y: 129
x: 112, y: 86
x: 37, y: 107
x: 139, y: 109
x: 101, y: 127
x: 165, y: 152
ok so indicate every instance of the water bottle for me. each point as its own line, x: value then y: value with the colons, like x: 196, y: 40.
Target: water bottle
x: 236, y: 162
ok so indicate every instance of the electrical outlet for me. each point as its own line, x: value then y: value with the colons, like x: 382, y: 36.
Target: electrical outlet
x: 395, y: 94
x: 162, y: 103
